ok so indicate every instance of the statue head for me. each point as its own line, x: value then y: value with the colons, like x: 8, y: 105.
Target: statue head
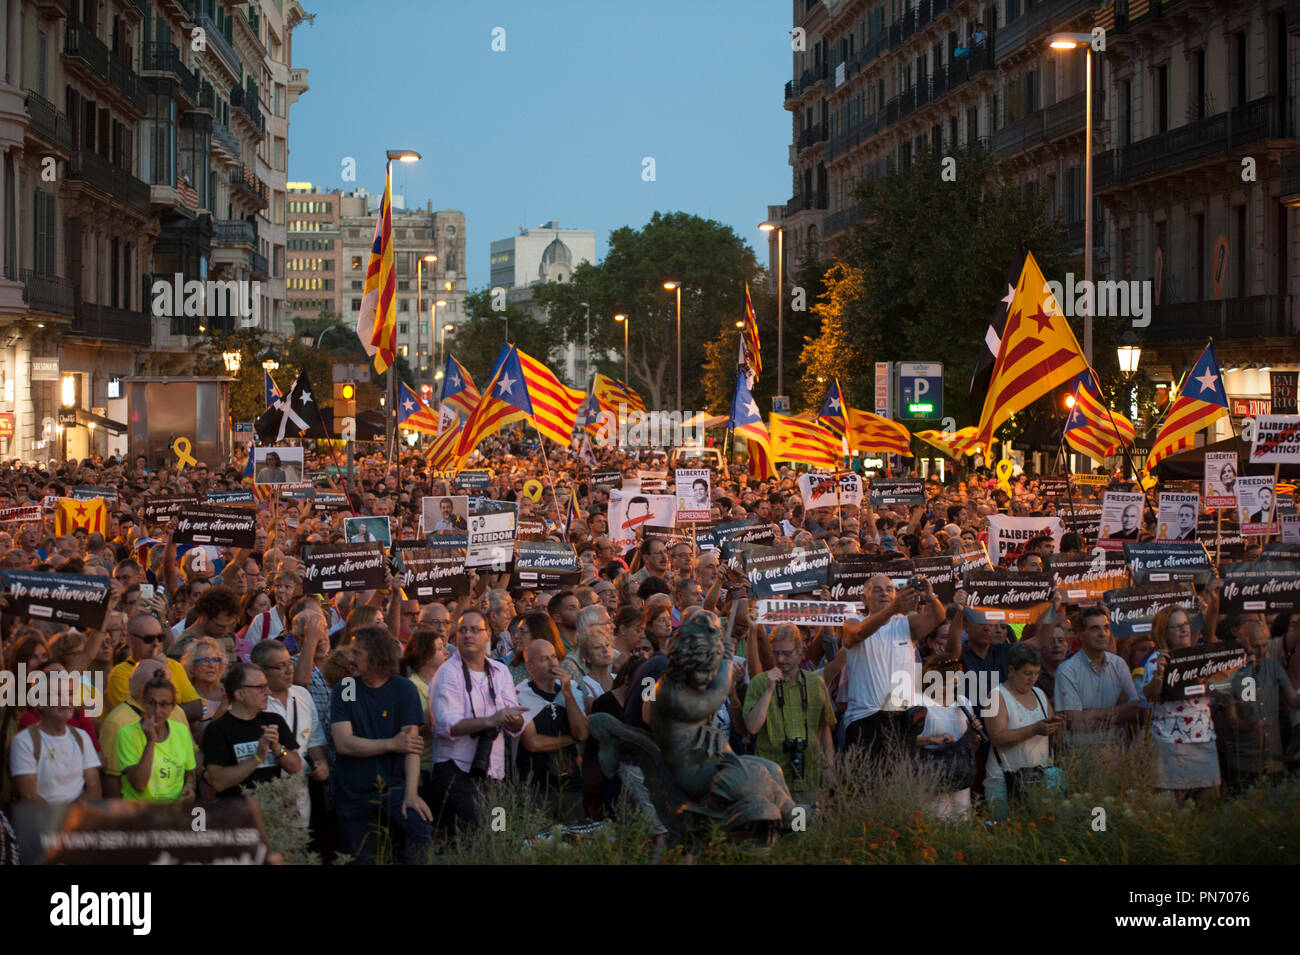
x: 696, y: 651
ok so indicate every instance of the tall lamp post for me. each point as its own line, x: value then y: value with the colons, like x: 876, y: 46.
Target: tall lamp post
x: 780, y: 301
x: 1072, y: 41
x: 673, y: 285
x: 390, y: 407
x: 623, y: 320
x: 441, y: 332
x: 419, y: 316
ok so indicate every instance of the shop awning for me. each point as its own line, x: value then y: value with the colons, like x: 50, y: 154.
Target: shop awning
x: 89, y: 418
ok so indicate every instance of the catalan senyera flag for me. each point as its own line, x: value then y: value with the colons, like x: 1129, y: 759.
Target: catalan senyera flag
x: 1200, y: 403
x: 377, y: 324
x: 504, y: 401
x: 1038, y: 352
x: 955, y: 444
x: 71, y: 514
x: 412, y: 413
x: 458, y: 388
x: 794, y: 439
x: 615, y: 396
x: 442, y: 450
x: 555, y: 405
x: 872, y: 434
x: 833, y: 414
x: 751, y: 358
x: 1093, y: 429
x: 747, y: 423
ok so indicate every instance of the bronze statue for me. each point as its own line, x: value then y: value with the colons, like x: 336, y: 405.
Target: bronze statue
x: 690, y: 769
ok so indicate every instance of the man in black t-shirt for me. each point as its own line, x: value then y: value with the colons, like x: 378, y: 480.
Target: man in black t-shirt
x: 247, y: 744
x: 556, y: 724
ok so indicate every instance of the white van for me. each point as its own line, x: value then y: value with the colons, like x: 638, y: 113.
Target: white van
x: 697, y: 457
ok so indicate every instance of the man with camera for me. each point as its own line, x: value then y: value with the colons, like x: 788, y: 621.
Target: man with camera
x: 882, y: 670
x: 471, y: 701
x: 789, y: 712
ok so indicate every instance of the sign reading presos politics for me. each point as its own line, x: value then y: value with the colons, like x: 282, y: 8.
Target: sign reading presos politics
x: 1161, y: 563
x: 1133, y: 609
x: 694, y: 494
x: 216, y: 525
x: 1256, y: 505
x: 1201, y: 670
x: 1005, y: 596
x: 807, y: 613
x: 1277, y: 439
x: 20, y: 514
x: 830, y: 490
x: 1260, y: 586
x: 429, y: 575
x: 72, y: 600
x: 1121, y: 519
x: 1176, y: 517
x: 1009, y: 535
x: 897, y: 492
x: 1220, y: 479
x: 330, y: 568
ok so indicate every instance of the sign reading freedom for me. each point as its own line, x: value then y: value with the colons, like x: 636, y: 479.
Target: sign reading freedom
x: 74, y: 600
x: 1197, y: 671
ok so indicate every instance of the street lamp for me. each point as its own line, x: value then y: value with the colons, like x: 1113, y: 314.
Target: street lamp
x: 1072, y: 41
x: 442, y: 333
x: 673, y: 285
x: 270, y: 364
x: 586, y: 348
x: 403, y: 155
x: 622, y: 319
x: 232, y: 359
x: 419, y: 313
x: 780, y: 300
x: 1130, y: 353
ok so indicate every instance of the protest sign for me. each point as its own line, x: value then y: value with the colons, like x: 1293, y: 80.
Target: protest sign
x: 1133, y: 609
x: 1121, y: 519
x: 847, y: 577
x: 545, y: 565
x: 607, y: 478
x: 973, y: 557
x: 331, y: 501
x: 806, y: 613
x: 1009, y: 535
x: 1083, y: 578
x: 1005, y: 596
x: 630, y: 510
x: 330, y: 568
x: 88, y: 492
x: 941, y: 571
x: 300, y: 491
x: 1277, y: 439
x: 830, y: 490
x: 1220, y: 479
x: 1201, y: 670
x: 20, y: 514
x: 1259, y: 586
x: 429, y: 575
x: 1089, y: 480
x: 1290, y: 525
x: 531, y: 529
x: 731, y: 537
x: 216, y: 525
x: 491, y: 534
x: 228, y: 497
x: 773, y: 570
x: 1176, y: 517
x: 1158, y: 563
x: 70, y: 600
x: 442, y: 514
x: 671, y: 536
x: 363, y: 530
x: 473, y: 480
x: 1084, y: 520
x: 160, y: 510
x: 1255, y: 505
x: 693, y: 493
x: 1054, y: 489
x: 450, y: 540
x: 897, y: 492
x: 1221, y: 535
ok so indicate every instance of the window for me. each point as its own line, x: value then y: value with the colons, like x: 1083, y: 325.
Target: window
x: 42, y: 62
x: 1240, y: 78
x: 357, y: 286
x: 356, y: 262
x: 403, y: 328
x: 44, y: 229
x: 356, y: 305
x: 193, y: 160
x: 1161, y: 116
x: 1196, y: 87
x: 158, y: 132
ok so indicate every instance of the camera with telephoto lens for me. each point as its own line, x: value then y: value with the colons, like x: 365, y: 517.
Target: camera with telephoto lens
x: 795, y: 747
x: 482, y: 752
x: 916, y: 582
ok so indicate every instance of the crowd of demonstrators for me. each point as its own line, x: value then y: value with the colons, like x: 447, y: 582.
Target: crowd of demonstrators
x: 218, y: 668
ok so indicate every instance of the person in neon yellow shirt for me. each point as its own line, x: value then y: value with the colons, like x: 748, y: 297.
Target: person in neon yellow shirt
x: 157, y: 755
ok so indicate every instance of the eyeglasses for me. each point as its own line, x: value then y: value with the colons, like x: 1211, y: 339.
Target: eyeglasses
x: 148, y: 637
x: 209, y: 660
x: 256, y: 686
x: 472, y: 630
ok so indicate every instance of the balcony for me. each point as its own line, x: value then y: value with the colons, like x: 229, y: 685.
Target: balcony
x: 1020, y: 135
x: 81, y: 47
x: 1036, y: 24
x: 810, y: 201
x: 46, y: 293
x: 1064, y: 118
x: 106, y: 323
x: 96, y: 171
x: 218, y: 43
x: 1291, y: 179
x: 165, y: 58
x: 223, y: 138
x: 246, y: 105
x: 1265, y: 118
x: 233, y: 232
x: 812, y: 135
x: 1252, y: 316
x: 47, y: 122
x: 244, y: 181
x: 841, y: 221
x: 184, y: 9
x: 258, y: 265
x: 1293, y: 17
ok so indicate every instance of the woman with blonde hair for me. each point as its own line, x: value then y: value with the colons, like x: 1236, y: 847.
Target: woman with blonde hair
x: 205, y: 665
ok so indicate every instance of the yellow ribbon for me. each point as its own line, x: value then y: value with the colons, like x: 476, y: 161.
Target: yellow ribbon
x: 533, y: 488
x: 1005, y: 469
x: 182, y: 448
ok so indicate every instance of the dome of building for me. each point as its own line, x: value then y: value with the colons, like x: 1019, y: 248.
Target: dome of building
x: 556, y: 253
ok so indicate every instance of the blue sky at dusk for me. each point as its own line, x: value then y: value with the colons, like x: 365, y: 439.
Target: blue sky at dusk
x: 557, y: 125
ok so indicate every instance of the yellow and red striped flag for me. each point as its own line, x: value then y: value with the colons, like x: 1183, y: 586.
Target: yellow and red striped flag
x: 1038, y: 352
x: 377, y: 323
x: 442, y: 450
x: 748, y: 424
x: 1090, y: 430
x: 834, y: 414
x: 870, y: 433
x: 614, y: 395
x: 458, y: 388
x: 751, y: 358
x: 796, y: 440
x: 72, y: 514
x: 956, y: 444
x: 554, y: 404
x: 1200, y: 403
x: 504, y: 401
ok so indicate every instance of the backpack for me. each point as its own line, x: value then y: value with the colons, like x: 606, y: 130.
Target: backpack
x: 34, y: 731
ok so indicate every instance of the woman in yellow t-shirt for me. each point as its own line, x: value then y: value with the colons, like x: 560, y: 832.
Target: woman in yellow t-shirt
x: 156, y: 755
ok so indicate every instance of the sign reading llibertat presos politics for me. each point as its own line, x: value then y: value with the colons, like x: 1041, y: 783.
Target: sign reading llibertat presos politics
x: 1220, y: 479
x: 1009, y: 535
x: 1277, y: 439
x: 693, y: 492
x: 807, y: 613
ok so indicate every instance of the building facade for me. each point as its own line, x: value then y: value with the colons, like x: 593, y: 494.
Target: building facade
x: 133, y: 148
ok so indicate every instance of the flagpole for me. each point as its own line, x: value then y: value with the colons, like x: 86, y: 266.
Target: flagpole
x: 546, y: 462
x: 1065, y: 459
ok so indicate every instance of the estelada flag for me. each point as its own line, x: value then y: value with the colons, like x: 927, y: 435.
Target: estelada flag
x: 1037, y: 353
x: 71, y: 514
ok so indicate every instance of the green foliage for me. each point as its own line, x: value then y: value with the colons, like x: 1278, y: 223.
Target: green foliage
x: 710, y: 261
x: 477, y: 341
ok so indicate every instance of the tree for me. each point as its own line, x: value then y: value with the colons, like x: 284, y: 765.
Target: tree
x: 477, y: 341
x: 710, y: 261
x: 920, y: 279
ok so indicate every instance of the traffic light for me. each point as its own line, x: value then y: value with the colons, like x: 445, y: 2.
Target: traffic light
x: 345, y: 400
x: 426, y: 392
